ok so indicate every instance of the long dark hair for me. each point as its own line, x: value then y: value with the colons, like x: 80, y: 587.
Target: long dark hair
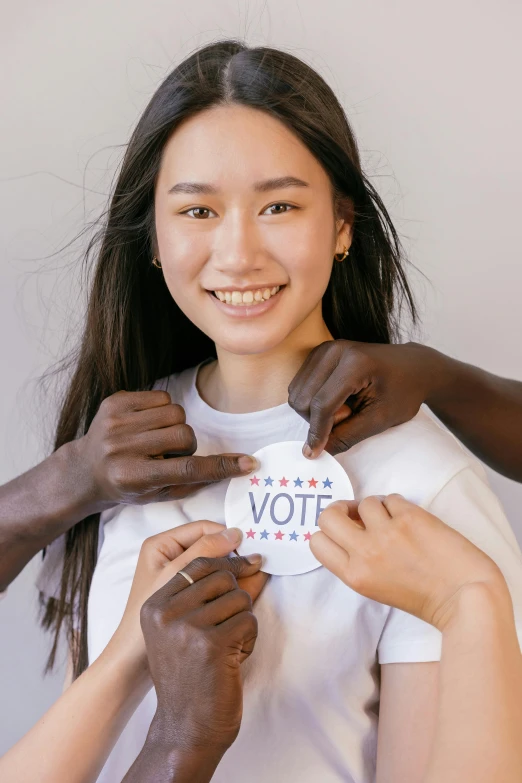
x: 135, y: 333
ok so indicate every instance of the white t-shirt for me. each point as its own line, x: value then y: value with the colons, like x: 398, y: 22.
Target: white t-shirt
x: 311, y: 692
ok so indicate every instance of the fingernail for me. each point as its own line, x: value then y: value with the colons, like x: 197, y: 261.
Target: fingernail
x: 254, y: 559
x: 232, y: 534
x: 248, y: 464
x: 307, y: 451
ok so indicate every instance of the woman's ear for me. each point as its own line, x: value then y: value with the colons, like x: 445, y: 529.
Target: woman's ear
x: 344, y: 224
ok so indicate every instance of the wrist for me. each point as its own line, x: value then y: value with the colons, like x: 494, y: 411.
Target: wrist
x: 129, y: 664
x: 184, y: 761
x: 447, y: 379
x: 434, y: 370
x: 476, y: 606
x: 127, y: 650
x: 83, y: 495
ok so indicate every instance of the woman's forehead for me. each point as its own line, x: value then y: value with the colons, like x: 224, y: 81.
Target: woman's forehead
x: 227, y: 144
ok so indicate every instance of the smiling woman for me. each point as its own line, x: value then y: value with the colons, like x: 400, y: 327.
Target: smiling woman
x: 249, y: 262
x: 243, y: 178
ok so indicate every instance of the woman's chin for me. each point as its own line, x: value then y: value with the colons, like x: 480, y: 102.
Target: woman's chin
x: 249, y: 344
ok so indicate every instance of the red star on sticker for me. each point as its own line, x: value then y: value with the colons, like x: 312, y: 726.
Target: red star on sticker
x: 307, y: 536
x: 312, y: 483
x: 255, y: 481
x: 279, y: 535
x: 283, y: 482
x: 251, y: 533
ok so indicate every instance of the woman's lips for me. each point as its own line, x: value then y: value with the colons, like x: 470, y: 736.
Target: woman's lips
x: 247, y: 310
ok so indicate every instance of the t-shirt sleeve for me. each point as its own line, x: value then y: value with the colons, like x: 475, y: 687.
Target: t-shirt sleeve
x: 467, y: 504
x: 49, y: 576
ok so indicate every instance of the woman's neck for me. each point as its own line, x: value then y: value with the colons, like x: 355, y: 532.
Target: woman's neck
x: 254, y: 382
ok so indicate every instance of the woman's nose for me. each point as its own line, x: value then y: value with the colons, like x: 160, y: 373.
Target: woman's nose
x: 238, y: 249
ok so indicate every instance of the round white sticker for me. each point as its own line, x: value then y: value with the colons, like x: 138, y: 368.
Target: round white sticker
x: 278, y: 506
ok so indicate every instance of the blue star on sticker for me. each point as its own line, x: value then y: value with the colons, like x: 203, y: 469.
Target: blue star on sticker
x: 294, y: 536
x: 298, y: 482
x: 269, y: 481
x: 264, y: 534
x: 327, y: 483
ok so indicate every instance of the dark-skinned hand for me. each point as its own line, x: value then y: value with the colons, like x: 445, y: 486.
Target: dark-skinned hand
x: 197, y: 636
x: 139, y: 449
x: 349, y: 391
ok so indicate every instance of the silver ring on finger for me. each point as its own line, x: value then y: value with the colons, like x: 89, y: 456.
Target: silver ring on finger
x: 187, y: 577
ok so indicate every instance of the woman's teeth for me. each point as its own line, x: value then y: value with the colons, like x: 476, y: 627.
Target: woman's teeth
x: 246, y: 297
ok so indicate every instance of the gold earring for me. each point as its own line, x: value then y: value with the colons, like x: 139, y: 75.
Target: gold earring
x: 156, y: 262
x: 346, y: 253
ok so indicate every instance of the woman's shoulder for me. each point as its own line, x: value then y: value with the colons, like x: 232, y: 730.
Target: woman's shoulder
x: 417, y: 459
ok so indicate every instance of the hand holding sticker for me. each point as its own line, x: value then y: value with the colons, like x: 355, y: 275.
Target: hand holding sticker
x: 277, y: 508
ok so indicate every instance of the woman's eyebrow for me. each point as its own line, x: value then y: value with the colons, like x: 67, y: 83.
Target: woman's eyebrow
x: 260, y: 187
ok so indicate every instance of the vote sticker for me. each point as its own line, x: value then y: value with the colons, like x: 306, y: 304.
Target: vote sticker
x: 277, y: 508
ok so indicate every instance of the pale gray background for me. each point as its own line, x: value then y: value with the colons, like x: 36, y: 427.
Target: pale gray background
x: 433, y: 91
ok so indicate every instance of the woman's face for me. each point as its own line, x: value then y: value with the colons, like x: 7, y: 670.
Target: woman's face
x: 245, y: 228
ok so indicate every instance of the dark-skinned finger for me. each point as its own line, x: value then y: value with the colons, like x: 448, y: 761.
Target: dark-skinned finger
x: 191, y: 597
x: 179, y: 440
x: 323, y: 409
x: 125, y: 401
x: 319, y: 363
x: 356, y: 428
x: 318, y: 367
x: 197, y: 470
x: 203, y: 567
x: 239, y: 632
x: 156, y: 418
x: 223, y: 608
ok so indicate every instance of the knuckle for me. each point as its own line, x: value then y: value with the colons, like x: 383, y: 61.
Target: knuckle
x: 221, y: 467
x: 178, y: 413
x: 149, y: 545
x: 227, y: 580
x: 162, y: 396
x: 113, y: 404
x: 151, y: 615
x: 202, y: 645
x: 366, y: 504
x: 317, y: 405
x: 300, y: 403
x: 250, y: 625
x: 200, y: 567
x: 403, y: 522
x: 210, y: 545
x: 186, y: 469
x: 186, y: 437
x: 110, y: 446
x: 244, y: 598
x: 111, y: 424
x: 119, y: 475
x: 108, y: 404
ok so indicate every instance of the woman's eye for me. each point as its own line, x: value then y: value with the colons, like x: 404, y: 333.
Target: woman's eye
x: 287, y: 208
x: 200, y: 212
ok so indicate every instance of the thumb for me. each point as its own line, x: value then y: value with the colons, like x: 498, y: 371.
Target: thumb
x: 321, y: 426
x: 212, y: 545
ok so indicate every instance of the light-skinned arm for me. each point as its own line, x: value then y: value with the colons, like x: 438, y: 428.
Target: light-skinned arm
x: 71, y: 742
x: 460, y: 719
